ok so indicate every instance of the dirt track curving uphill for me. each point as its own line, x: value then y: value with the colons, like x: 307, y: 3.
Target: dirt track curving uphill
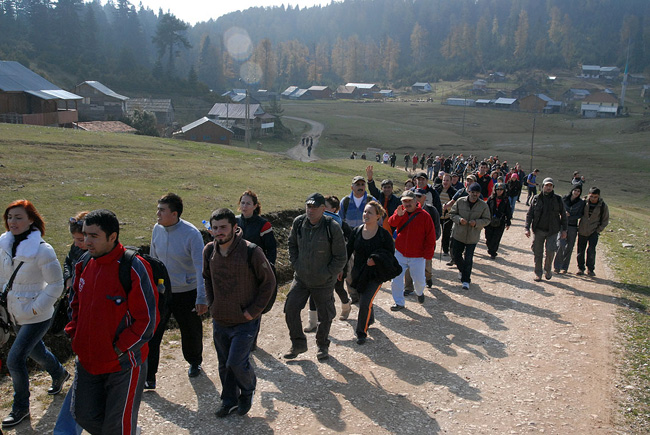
x: 507, y: 356
x: 299, y: 152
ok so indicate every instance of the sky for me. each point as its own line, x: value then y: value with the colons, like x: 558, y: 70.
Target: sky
x: 193, y: 11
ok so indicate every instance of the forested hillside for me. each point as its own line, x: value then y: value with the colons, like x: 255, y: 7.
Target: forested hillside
x: 394, y: 42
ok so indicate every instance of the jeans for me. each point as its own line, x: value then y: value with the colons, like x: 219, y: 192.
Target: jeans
x: 463, y: 263
x: 592, y: 240
x: 65, y: 424
x: 430, y: 172
x: 234, y: 345
x: 541, y: 240
x: 416, y: 265
x: 513, y: 202
x: 563, y: 256
x: 29, y: 343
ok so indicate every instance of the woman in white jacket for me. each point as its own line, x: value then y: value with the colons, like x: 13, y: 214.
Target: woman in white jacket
x: 30, y: 301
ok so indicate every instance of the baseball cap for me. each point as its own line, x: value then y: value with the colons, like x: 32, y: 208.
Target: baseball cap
x: 421, y: 174
x: 547, y: 181
x: 420, y: 192
x: 475, y: 187
x: 358, y: 178
x: 315, y: 199
x: 407, y: 195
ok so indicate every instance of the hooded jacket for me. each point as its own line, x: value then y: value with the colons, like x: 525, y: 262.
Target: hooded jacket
x: 598, y: 220
x: 39, y: 282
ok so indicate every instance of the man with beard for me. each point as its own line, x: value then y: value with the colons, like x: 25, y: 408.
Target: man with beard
x: 318, y: 254
x: 547, y: 217
x: 594, y: 220
x: 239, y: 285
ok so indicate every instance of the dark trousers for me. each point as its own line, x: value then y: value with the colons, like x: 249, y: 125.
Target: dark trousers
x: 181, y: 306
x: 339, y: 288
x: 234, y: 345
x: 296, y: 300
x: 532, y: 191
x: 464, y: 262
x: 108, y: 403
x: 366, y: 312
x: 447, y: 224
x: 565, y: 249
x: 493, y: 237
x: 583, y: 241
x: 544, y: 240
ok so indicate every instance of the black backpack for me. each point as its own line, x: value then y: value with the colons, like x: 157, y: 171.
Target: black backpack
x: 250, y: 249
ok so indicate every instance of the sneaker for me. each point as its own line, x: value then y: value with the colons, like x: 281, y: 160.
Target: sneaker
x: 421, y: 298
x: 14, y: 418
x: 150, y: 384
x: 194, y: 371
x: 591, y: 273
x: 429, y: 283
x: 408, y: 292
x: 548, y: 275
x: 322, y: 354
x: 57, y: 385
x: 465, y: 286
x: 396, y: 307
x: 580, y: 272
x: 361, y: 340
x: 244, y: 404
x: 225, y: 410
x: 294, y: 352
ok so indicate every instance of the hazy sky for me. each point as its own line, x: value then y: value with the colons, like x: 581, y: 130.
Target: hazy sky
x: 192, y: 11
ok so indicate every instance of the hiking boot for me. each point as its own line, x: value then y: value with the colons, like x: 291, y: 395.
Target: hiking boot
x: 396, y: 307
x: 244, y: 404
x: 345, y: 310
x: 322, y: 354
x: 294, y: 352
x: 57, y: 385
x: 15, y: 417
x: 225, y: 410
x: 194, y: 371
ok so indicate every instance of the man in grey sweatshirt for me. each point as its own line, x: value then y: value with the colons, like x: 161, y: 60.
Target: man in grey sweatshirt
x: 179, y: 245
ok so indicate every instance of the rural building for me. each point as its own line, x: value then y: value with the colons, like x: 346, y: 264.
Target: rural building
x: 233, y: 116
x: 540, y: 103
x: 524, y: 90
x: 301, y: 94
x: 481, y: 102
x: 645, y: 93
x: 479, y: 84
x: 105, y: 127
x: 27, y: 98
x: 461, y: 102
x: 100, y: 103
x: 289, y: 91
x: 365, y: 89
x: 497, y: 77
x: 506, y: 103
x: 206, y: 130
x: 321, y: 92
x: 265, y: 95
x: 163, y: 109
x: 422, y: 87
x: 384, y: 93
x: 599, y: 105
x: 576, y: 94
x: 598, y: 72
x: 348, y: 92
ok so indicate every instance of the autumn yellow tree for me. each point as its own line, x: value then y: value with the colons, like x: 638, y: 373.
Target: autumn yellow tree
x: 265, y: 58
x: 521, y: 35
x: 419, y: 44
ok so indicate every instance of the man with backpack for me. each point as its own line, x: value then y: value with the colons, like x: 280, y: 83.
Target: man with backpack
x: 179, y: 245
x: 239, y: 284
x: 110, y: 328
x: 318, y: 254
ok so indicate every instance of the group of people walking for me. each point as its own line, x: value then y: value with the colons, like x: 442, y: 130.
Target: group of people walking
x: 119, y: 307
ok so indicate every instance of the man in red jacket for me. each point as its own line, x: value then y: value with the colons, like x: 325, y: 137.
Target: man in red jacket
x: 110, y: 328
x: 415, y: 243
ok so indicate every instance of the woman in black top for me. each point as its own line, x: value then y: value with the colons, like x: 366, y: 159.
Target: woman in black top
x: 373, y: 249
x: 500, y: 211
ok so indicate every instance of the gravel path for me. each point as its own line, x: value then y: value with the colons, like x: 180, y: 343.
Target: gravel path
x: 508, y: 356
x: 299, y: 152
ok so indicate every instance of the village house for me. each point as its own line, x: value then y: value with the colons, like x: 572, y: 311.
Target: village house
x: 365, y: 89
x: 348, y: 92
x: 105, y: 127
x: 421, y: 87
x: 27, y: 98
x: 321, y: 92
x: 233, y: 116
x: 163, y: 109
x: 540, y: 103
x: 206, y: 130
x: 100, y: 103
x: 289, y: 91
x: 575, y: 94
x: 599, y: 105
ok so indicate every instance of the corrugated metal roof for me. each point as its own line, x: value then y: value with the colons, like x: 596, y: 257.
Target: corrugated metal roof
x: 201, y: 121
x: 362, y: 85
x: 149, y: 104
x: 318, y: 88
x: 235, y: 111
x: 105, y: 90
x: 505, y: 100
x: 14, y: 77
x: 290, y: 90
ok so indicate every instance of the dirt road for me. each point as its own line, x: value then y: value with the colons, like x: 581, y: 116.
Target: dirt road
x: 299, y: 152
x: 507, y: 356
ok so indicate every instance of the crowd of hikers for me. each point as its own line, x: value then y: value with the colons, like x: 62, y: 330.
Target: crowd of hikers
x: 114, y: 303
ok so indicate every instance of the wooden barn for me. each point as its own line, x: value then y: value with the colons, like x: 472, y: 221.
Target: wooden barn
x: 206, y: 130
x: 100, y: 103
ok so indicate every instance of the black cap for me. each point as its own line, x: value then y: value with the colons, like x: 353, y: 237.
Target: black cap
x: 315, y: 199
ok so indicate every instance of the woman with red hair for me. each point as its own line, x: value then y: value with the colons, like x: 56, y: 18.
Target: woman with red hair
x: 31, y: 277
